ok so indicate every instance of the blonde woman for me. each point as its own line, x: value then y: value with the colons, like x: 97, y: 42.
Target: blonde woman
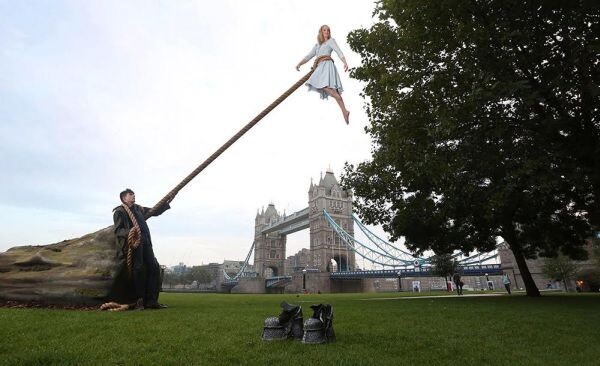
x: 326, y: 79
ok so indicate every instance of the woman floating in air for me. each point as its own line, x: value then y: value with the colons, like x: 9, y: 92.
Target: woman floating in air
x: 326, y: 79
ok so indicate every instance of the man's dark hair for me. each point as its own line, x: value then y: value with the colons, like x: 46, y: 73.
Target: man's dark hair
x: 124, y: 193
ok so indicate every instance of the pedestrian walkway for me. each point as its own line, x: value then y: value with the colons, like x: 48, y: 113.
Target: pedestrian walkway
x: 433, y: 297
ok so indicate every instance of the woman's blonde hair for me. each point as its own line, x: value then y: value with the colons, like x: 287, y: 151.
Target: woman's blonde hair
x: 320, y: 37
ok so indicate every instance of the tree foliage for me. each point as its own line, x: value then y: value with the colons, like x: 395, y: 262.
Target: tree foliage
x: 595, y: 249
x: 443, y: 265
x: 171, y: 279
x: 560, y: 268
x: 198, y: 274
x: 484, y: 117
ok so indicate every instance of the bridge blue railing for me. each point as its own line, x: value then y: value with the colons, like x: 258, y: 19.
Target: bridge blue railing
x: 232, y: 281
x: 479, y: 270
x: 277, y: 281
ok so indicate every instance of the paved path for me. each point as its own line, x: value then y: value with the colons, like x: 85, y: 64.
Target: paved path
x: 432, y: 297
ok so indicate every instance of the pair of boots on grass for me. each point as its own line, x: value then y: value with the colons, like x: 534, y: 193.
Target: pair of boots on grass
x: 290, y: 325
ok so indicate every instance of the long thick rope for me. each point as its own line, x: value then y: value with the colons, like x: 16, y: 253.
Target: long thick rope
x: 134, y: 238
x: 225, y: 146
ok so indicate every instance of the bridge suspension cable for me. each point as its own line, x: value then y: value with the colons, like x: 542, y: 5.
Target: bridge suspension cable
x: 392, y: 250
x: 385, y: 246
x: 386, y: 254
x: 242, y: 271
x: 370, y: 254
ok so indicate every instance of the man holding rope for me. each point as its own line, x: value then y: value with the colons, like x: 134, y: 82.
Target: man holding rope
x: 135, y: 243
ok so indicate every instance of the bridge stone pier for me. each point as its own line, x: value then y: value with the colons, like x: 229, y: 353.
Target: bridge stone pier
x: 325, y: 246
x: 269, y: 247
x: 328, y: 252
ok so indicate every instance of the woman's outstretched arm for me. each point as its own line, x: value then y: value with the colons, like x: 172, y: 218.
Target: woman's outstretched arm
x: 310, y: 55
x: 302, y: 62
x: 337, y: 50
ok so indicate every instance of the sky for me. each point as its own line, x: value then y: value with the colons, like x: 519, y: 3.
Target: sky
x: 98, y: 96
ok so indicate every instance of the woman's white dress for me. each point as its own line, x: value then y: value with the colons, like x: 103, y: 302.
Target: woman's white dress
x: 326, y: 74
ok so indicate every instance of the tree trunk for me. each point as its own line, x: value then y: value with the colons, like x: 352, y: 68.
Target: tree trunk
x: 530, y: 286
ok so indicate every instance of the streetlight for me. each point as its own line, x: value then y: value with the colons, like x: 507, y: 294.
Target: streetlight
x: 399, y: 280
x: 304, y: 280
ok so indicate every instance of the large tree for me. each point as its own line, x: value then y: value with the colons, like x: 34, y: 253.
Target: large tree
x: 484, y: 117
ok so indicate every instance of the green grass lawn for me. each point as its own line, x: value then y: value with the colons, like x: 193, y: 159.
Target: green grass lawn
x: 218, y: 329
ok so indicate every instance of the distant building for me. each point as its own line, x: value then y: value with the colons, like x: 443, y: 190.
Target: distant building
x: 179, y: 269
x: 216, y: 270
x: 297, y: 262
x: 233, y: 267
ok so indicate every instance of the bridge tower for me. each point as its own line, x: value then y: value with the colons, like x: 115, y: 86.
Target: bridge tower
x: 269, y: 249
x: 325, y: 245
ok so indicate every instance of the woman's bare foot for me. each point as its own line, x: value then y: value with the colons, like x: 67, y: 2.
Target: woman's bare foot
x: 347, y: 117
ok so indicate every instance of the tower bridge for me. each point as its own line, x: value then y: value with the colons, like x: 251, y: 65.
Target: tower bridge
x: 272, y: 228
x: 330, y: 222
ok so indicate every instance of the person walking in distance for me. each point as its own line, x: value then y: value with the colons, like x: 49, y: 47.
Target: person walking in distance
x: 506, y: 282
x: 458, y: 282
